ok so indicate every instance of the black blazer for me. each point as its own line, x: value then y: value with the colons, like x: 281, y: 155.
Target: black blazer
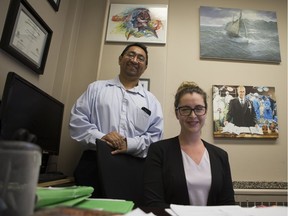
x: 164, y: 176
x: 242, y: 116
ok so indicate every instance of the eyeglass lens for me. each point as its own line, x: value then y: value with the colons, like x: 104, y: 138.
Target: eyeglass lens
x: 186, y: 110
x: 139, y: 57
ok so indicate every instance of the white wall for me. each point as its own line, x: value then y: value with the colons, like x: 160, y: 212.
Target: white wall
x: 178, y: 60
x: 79, y: 55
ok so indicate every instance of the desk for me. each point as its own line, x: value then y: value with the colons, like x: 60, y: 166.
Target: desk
x: 69, y: 181
x: 70, y: 211
x: 89, y: 212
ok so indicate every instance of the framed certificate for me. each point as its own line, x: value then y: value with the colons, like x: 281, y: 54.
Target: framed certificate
x: 26, y: 36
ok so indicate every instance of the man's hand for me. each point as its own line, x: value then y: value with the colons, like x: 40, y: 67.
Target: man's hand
x: 116, y: 141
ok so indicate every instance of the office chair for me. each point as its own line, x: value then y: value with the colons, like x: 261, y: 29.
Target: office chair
x: 86, y: 173
x: 112, y: 176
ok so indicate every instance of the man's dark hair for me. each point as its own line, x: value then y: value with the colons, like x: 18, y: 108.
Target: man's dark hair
x: 142, y: 46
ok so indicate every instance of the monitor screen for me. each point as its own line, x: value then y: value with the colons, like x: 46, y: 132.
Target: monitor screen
x: 24, y: 106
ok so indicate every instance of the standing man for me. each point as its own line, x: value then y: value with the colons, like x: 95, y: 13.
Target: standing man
x: 120, y: 111
x: 241, y: 112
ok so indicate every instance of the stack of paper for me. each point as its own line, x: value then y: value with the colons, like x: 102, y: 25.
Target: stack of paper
x: 182, y: 210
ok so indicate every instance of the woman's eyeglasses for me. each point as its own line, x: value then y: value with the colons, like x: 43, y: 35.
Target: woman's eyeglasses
x: 186, y: 110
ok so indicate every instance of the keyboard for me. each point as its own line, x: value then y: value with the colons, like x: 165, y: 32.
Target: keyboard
x: 46, y: 177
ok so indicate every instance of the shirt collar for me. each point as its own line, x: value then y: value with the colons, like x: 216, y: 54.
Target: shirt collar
x: 137, y: 89
x: 115, y: 82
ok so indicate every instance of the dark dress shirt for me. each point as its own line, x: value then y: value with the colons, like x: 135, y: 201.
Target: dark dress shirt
x: 165, y: 181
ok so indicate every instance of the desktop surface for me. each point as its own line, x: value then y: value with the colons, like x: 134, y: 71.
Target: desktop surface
x: 51, y: 176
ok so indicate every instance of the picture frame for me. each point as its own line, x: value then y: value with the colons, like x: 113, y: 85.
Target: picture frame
x: 145, y: 23
x: 26, y: 36
x: 237, y: 34
x: 244, y: 112
x: 145, y: 83
x: 55, y: 4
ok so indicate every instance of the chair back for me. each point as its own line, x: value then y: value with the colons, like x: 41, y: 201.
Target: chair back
x: 120, y: 176
x: 86, y: 172
x: 112, y: 176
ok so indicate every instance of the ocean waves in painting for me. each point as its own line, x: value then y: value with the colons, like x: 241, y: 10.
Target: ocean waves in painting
x: 258, y: 41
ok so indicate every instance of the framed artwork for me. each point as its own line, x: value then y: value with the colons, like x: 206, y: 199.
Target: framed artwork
x: 137, y: 23
x: 55, y: 4
x: 244, y: 112
x: 236, y: 34
x: 145, y: 83
x: 26, y: 36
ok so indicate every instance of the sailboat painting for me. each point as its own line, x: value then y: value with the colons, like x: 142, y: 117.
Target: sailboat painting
x: 233, y: 28
x: 238, y: 34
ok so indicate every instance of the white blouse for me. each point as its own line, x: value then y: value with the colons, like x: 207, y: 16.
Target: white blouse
x: 198, y: 178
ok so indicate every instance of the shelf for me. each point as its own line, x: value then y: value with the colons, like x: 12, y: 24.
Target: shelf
x: 69, y: 181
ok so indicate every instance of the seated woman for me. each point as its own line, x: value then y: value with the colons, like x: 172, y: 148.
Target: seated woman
x: 185, y: 169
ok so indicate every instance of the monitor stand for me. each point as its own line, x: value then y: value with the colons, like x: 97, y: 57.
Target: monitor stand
x: 45, y: 175
x: 44, y: 163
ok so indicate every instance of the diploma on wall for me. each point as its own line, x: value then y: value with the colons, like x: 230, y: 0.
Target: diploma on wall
x: 29, y: 39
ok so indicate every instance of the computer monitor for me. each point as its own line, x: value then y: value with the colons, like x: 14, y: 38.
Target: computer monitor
x: 25, y: 106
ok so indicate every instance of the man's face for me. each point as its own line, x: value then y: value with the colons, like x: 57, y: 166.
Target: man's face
x: 241, y: 92
x: 133, y: 62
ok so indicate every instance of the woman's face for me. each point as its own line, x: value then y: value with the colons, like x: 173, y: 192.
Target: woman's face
x: 192, y: 123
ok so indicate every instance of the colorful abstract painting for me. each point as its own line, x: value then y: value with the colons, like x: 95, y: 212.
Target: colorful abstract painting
x: 137, y: 23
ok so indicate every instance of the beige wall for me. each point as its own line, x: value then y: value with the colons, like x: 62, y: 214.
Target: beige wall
x: 79, y: 55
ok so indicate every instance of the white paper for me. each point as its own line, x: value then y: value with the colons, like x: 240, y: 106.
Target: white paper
x: 139, y: 212
x: 182, y: 210
x: 267, y: 211
x: 231, y: 128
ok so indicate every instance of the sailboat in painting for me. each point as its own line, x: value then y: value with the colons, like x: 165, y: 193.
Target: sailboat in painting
x: 234, y: 28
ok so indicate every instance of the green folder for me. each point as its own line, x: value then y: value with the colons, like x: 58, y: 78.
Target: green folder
x: 68, y: 203
x: 78, y: 197
x: 52, y: 196
x: 110, y: 205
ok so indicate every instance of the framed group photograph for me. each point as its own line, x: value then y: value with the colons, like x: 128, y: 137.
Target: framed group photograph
x: 239, y: 35
x: 137, y: 23
x: 26, y: 36
x: 55, y: 4
x: 244, y: 112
